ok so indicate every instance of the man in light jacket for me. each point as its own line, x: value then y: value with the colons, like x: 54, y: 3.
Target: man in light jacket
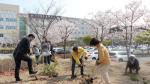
x: 103, y: 62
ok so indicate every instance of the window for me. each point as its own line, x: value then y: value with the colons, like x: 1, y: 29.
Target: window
x: 96, y: 53
x: 10, y: 20
x: 1, y: 19
x: 112, y: 53
x: 10, y: 27
x: 1, y: 27
x: 122, y: 53
x: 1, y: 35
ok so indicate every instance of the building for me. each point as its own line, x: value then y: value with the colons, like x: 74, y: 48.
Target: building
x: 23, y: 27
x: 40, y: 19
x: 9, y: 26
x: 84, y: 28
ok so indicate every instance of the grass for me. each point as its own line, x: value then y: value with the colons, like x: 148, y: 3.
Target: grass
x: 134, y: 77
x: 7, y: 65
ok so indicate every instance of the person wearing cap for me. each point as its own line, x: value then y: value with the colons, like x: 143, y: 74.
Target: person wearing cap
x: 103, y: 61
x: 77, y: 54
x: 21, y: 53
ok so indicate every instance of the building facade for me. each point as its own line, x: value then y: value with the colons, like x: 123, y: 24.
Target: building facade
x: 9, y: 27
x: 23, y: 27
x: 84, y: 28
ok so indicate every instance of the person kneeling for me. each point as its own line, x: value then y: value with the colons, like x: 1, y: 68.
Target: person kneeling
x: 133, y: 65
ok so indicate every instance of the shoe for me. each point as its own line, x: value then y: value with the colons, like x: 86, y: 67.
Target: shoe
x: 73, y: 77
x: 18, y: 79
x: 32, y: 72
x: 91, y: 80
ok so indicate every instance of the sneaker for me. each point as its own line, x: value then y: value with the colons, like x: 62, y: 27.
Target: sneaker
x: 73, y: 77
x: 33, y: 72
x: 91, y: 80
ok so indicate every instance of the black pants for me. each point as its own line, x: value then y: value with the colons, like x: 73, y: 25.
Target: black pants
x: 47, y: 59
x: 18, y: 59
x: 37, y: 59
x: 73, y: 67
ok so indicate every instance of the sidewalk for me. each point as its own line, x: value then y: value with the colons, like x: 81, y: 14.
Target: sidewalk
x: 5, y: 56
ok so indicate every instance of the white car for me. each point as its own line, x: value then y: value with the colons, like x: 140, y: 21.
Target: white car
x: 93, y: 55
x: 120, y: 56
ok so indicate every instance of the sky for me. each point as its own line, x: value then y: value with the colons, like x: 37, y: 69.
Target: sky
x: 74, y: 8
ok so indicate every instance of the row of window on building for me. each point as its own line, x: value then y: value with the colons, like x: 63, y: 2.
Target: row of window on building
x: 8, y: 19
x: 80, y: 32
x: 7, y: 27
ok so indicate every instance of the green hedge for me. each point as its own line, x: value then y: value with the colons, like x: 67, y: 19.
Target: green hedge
x: 6, y: 50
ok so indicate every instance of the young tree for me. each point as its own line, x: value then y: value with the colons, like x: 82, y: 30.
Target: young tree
x: 64, y: 29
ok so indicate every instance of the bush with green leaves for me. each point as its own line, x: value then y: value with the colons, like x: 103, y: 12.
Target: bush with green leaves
x: 50, y: 69
x: 134, y: 77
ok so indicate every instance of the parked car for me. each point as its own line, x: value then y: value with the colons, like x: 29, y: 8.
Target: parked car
x: 90, y: 49
x: 93, y: 55
x: 120, y: 56
x: 61, y: 51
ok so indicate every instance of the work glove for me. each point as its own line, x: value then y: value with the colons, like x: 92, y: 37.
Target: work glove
x: 97, y: 62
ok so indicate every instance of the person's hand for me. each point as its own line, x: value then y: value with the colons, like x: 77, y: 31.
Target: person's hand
x: 80, y: 65
x: 30, y: 53
x: 86, y: 58
x: 97, y: 62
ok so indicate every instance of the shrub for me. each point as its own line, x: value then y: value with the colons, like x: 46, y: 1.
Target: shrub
x: 6, y: 50
x: 50, y: 70
x: 134, y: 77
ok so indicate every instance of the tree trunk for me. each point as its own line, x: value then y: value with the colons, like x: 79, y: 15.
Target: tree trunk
x: 64, y: 48
x: 126, y: 43
x: 148, y: 50
x: 102, y: 34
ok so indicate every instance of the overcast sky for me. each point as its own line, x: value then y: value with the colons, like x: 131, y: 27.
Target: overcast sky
x: 74, y: 8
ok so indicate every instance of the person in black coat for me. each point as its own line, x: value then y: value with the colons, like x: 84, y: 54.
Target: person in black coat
x: 21, y: 53
x: 133, y: 65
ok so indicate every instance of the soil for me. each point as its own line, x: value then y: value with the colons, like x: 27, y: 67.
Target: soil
x: 116, y: 73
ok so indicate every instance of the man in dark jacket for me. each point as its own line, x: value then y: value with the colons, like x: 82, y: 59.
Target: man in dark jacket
x: 21, y: 53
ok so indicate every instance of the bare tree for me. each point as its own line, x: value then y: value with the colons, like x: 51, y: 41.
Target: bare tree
x: 64, y: 30
x: 41, y: 22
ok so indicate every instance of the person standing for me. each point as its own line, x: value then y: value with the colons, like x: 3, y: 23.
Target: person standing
x: 21, y: 53
x: 36, y: 51
x: 52, y: 54
x: 46, y: 51
x: 103, y: 61
x: 76, y: 56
